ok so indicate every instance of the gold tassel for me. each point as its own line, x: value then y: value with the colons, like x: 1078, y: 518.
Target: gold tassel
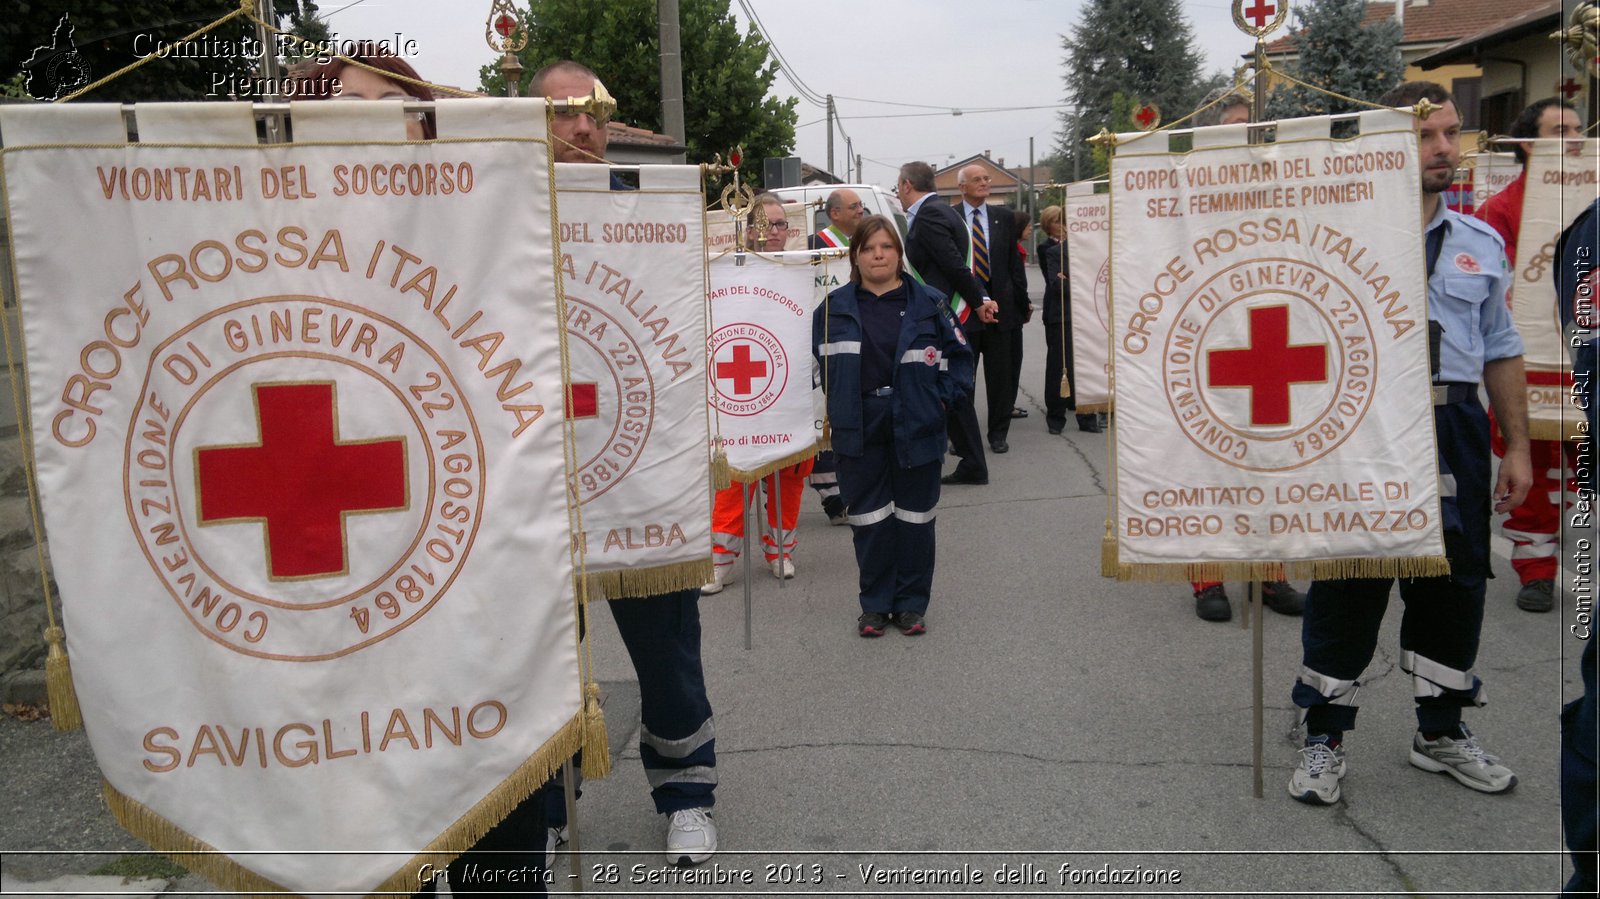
x: 721, y: 474
x: 596, y: 744
x: 1066, y: 386
x: 1108, y: 552
x: 64, y: 711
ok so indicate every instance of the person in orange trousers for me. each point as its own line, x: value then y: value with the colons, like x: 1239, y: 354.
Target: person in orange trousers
x: 727, y: 525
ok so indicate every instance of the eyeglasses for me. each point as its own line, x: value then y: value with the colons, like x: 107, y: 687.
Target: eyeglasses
x: 857, y: 206
x: 778, y: 225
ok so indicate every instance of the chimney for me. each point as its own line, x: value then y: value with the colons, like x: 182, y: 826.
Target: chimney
x: 986, y: 155
x: 1002, y: 162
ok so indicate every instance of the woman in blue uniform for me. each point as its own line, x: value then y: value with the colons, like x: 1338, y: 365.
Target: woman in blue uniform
x: 892, y: 358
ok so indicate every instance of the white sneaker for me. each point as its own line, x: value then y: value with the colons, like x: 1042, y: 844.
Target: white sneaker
x: 721, y: 576
x: 1316, y: 779
x: 1464, y: 760
x: 557, y: 836
x: 782, y: 568
x: 691, y: 837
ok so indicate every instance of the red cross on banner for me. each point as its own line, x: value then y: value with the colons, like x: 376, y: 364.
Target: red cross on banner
x: 1269, y: 365
x: 504, y: 25
x: 301, y: 480
x: 1145, y: 117
x: 742, y: 371
x: 583, y: 400
x: 1568, y: 88
x: 1260, y: 12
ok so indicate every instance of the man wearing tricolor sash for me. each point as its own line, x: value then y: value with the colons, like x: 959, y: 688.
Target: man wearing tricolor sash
x: 1443, y: 614
x: 939, y: 255
x: 844, y: 209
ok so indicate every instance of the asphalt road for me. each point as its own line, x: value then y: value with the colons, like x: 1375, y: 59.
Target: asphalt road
x: 1049, y: 718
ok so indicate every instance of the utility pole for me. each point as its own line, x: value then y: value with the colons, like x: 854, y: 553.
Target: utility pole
x: 1033, y: 195
x: 671, y: 72
x: 859, y: 177
x: 831, y: 133
x: 849, y: 154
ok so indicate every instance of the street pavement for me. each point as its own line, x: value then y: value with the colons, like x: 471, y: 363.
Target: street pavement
x: 1050, y: 720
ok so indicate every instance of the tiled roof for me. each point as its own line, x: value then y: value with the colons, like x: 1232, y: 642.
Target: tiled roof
x: 618, y: 133
x: 1437, y: 21
x: 1540, y: 18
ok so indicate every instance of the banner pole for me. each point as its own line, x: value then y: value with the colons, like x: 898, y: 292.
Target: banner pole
x: 1257, y: 710
x: 752, y: 496
x: 569, y: 786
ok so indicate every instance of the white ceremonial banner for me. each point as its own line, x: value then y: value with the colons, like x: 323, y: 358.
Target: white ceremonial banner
x: 1560, y: 185
x: 1087, y: 217
x: 1259, y: 293
x: 633, y: 272
x: 306, y: 507
x: 720, y: 233
x: 1491, y: 172
x: 761, y: 379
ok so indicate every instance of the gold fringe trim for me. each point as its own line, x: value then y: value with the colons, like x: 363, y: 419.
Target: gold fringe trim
x: 210, y: 863
x: 1545, y: 429
x: 653, y: 581
x: 1309, y: 569
x: 64, y: 712
x: 1096, y: 408
x: 750, y: 476
x: 596, y: 744
x: 721, y: 475
x: 1066, y: 386
x: 1108, y: 552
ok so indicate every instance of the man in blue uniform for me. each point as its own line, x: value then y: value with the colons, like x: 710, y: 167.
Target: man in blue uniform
x: 677, y: 736
x: 1467, y: 280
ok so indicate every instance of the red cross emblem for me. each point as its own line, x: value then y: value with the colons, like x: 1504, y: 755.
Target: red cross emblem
x: 504, y: 24
x: 1568, y: 88
x: 301, y: 480
x: 930, y: 356
x: 742, y: 371
x: 1260, y: 12
x: 583, y: 400
x: 1269, y: 365
x: 1468, y: 264
x: 1146, y: 116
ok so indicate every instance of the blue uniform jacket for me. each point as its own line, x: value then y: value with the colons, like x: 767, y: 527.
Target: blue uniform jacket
x: 934, y: 369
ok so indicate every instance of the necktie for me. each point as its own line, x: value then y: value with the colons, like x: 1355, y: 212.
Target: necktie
x: 980, y: 248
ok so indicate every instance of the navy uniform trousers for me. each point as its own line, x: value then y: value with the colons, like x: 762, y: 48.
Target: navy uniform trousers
x: 891, y: 513
x: 677, y: 736
x: 1439, y: 632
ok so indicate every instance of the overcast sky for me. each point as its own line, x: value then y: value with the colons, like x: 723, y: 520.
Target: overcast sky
x: 947, y: 53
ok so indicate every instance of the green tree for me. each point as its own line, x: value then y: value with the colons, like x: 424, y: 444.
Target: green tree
x: 1336, y: 53
x: 726, y: 74
x: 1144, y: 49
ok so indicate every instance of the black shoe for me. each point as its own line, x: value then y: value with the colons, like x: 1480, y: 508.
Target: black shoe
x: 833, y: 507
x: 910, y: 623
x: 999, y: 446
x: 960, y: 477
x: 1537, y: 596
x: 1211, y: 604
x: 1089, y: 423
x: 1283, y: 598
x: 1018, y: 412
x: 872, y: 624
x: 1055, y: 430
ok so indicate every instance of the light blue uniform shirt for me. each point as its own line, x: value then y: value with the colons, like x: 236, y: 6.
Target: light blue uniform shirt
x: 1467, y: 296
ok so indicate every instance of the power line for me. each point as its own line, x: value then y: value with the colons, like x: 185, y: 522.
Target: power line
x: 787, y: 69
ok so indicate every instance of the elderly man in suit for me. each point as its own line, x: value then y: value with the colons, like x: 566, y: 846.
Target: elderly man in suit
x: 938, y: 251
x: 997, y: 264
